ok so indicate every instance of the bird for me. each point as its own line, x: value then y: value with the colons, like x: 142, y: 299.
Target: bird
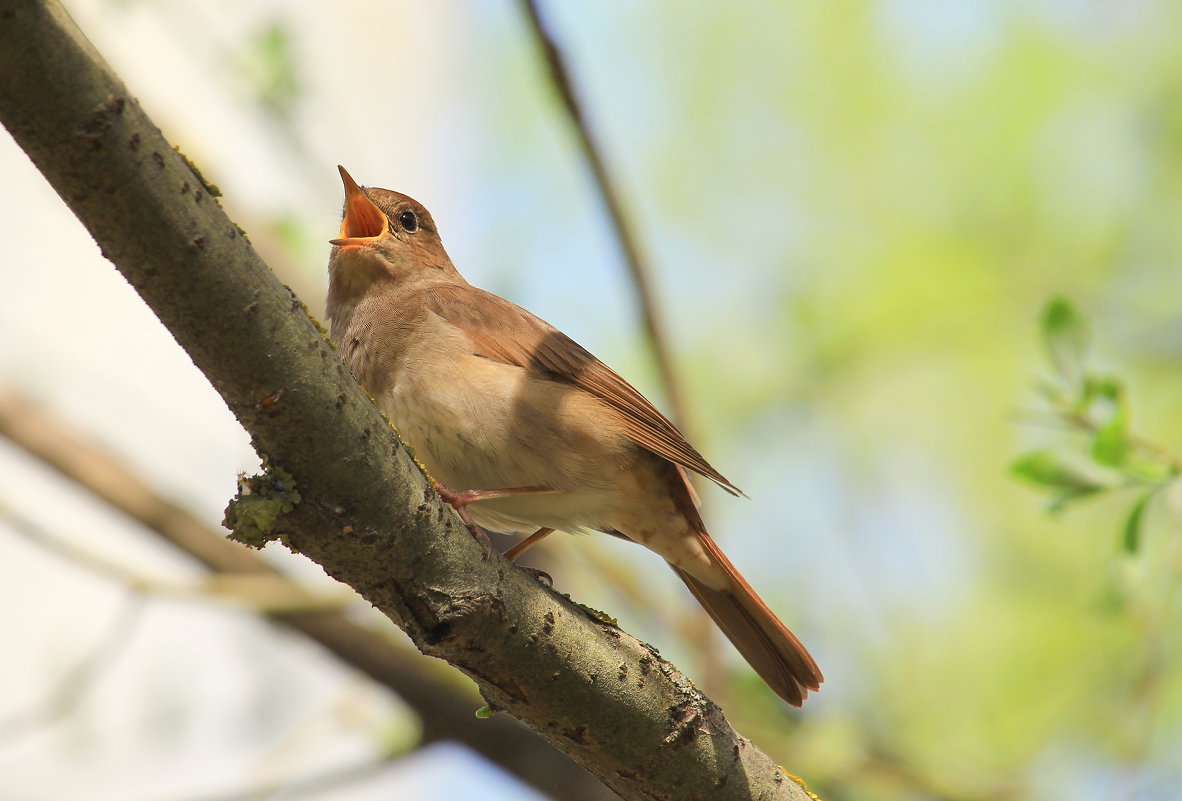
x: 522, y: 429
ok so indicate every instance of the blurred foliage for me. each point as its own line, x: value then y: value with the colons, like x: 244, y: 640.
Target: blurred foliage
x: 1098, y: 455
x: 268, y: 68
x: 857, y: 210
x: 1113, y: 457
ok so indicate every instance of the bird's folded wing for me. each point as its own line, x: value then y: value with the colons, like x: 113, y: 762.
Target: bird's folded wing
x: 509, y: 334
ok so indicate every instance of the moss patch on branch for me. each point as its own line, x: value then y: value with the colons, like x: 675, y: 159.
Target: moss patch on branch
x: 261, y: 500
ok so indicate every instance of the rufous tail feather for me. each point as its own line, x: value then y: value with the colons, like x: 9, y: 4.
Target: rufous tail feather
x: 768, y: 646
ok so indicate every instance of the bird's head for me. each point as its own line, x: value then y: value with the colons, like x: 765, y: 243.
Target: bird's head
x: 385, y: 235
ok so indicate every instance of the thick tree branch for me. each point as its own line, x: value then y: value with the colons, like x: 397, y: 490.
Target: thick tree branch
x: 366, y: 513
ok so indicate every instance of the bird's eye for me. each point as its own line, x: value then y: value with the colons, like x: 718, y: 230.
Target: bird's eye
x: 409, y: 221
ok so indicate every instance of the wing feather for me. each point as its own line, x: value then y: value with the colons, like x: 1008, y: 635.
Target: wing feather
x: 509, y: 334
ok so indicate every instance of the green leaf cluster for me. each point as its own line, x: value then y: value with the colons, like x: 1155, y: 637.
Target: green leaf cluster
x: 1095, y: 407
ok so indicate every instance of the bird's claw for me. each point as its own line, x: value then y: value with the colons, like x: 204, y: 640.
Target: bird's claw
x: 541, y: 576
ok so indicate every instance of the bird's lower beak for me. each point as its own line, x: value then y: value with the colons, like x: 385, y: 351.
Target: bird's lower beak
x: 364, y: 223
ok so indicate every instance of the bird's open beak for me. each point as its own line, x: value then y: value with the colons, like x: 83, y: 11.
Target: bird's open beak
x: 364, y: 222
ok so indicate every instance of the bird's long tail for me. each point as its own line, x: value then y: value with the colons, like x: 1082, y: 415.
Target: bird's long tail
x: 768, y: 646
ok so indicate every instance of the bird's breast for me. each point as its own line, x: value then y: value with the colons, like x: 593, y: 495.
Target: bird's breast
x: 477, y: 423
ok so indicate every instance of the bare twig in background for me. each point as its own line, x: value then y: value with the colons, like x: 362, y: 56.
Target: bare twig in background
x: 445, y: 706
x: 261, y: 592
x: 621, y: 222
x: 69, y: 688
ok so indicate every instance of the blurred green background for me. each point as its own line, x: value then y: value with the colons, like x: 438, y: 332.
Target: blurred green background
x: 855, y: 213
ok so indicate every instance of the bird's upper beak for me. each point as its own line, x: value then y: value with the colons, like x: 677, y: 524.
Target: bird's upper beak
x: 364, y: 222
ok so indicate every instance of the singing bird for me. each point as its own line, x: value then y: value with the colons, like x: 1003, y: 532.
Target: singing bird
x: 524, y: 431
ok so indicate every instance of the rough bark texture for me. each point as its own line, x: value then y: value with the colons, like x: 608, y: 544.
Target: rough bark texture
x: 366, y: 513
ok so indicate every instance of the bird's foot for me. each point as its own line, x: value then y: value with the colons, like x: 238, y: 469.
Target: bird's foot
x: 541, y: 576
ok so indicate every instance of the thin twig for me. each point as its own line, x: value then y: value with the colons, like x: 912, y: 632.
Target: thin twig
x: 1155, y: 451
x: 621, y: 222
x: 259, y: 592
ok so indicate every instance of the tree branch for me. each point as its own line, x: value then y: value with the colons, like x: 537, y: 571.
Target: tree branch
x: 365, y: 512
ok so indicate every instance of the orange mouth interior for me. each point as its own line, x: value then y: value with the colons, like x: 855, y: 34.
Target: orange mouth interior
x: 363, y: 220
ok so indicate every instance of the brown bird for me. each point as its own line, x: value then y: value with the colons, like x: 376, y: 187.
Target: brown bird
x: 525, y: 430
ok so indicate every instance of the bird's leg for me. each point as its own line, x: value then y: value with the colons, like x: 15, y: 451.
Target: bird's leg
x: 533, y: 539
x: 460, y: 499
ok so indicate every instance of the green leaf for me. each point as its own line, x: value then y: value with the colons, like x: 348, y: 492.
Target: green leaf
x: 1047, y: 470
x: 1066, y: 336
x: 1110, y: 445
x: 1130, y: 539
x: 485, y: 712
x: 1106, y: 387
